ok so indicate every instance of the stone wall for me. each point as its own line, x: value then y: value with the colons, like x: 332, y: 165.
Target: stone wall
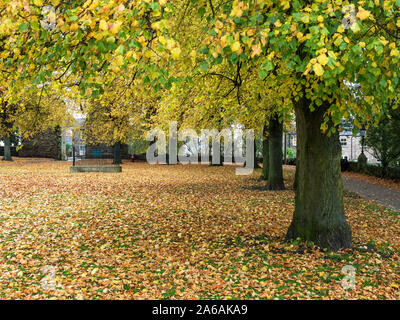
x: 44, y: 145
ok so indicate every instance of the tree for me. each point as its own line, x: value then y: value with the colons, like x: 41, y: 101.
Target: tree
x: 13, y: 139
x: 32, y: 111
x: 116, y: 114
x: 322, y: 44
x: 384, y: 139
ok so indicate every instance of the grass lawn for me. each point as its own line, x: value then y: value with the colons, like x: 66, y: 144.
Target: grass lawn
x: 176, y: 232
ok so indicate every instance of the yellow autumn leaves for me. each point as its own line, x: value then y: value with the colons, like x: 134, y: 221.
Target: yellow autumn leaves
x: 103, y: 25
x: 394, y: 51
x: 322, y: 59
x: 112, y: 27
x: 319, y: 63
x: 363, y: 14
x: 319, y: 71
x: 235, y: 46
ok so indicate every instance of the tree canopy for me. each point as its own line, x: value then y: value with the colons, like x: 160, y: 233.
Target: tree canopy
x: 212, y: 63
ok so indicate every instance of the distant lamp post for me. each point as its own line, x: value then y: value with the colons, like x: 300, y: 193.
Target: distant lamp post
x: 363, y: 132
x: 362, y: 159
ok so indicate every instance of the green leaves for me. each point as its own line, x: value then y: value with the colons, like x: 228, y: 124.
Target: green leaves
x: 203, y: 66
x: 23, y: 27
x: 201, y: 11
x: 120, y: 50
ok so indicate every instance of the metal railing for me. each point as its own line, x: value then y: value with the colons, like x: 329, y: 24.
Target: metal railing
x: 92, y: 157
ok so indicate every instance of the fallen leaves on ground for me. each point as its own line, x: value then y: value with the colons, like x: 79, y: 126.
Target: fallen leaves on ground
x: 176, y: 232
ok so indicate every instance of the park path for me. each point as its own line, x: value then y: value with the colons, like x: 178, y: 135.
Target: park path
x: 385, y: 196
x: 388, y: 197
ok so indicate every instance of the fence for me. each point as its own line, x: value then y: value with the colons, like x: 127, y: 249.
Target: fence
x: 93, y: 157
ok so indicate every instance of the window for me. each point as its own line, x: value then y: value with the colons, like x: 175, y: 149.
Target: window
x: 82, y: 150
x: 343, y: 141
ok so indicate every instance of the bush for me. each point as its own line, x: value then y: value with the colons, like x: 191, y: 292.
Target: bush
x: 376, y: 171
x: 290, y: 153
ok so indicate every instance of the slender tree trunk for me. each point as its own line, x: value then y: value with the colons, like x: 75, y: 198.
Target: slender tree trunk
x: 385, y: 171
x: 296, y: 174
x: 319, y: 213
x: 256, y: 164
x: 265, y: 140
x: 385, y: 166
x: 7, y: 149
x: 285, y: 150
x: 275, y: 172
x: 117, y: 153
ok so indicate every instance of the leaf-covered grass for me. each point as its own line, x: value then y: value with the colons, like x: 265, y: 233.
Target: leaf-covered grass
x: 177, y: 232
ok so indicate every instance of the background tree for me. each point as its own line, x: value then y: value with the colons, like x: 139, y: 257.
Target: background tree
x: 29, y: 112
x: 384, y: 139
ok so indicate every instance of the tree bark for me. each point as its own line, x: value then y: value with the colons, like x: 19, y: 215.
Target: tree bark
x: 7, y: 149
x: 384, y: 165
x: 117, y: 153
x: 296, y: 174
x: 319, y: 212
x: 256, y: 164
x: 275, y: 172
x: 265, y: 141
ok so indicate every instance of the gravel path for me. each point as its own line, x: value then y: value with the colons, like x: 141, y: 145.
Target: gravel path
x: 387, y: 197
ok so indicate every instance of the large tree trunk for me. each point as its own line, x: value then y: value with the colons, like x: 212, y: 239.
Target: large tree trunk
x: 265, y: 140
x: 117, y: 153
x: 7, y: 149
x: 275, y: 172
x: 319, y: 213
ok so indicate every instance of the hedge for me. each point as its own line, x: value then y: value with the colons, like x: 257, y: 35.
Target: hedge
x: 376, y: 171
